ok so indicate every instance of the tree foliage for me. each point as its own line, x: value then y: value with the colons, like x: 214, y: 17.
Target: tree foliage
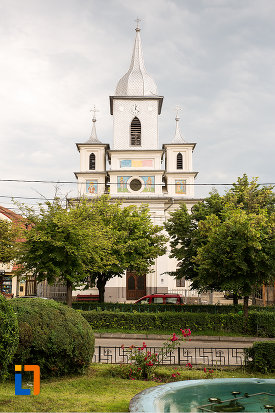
x: 8, y: 240
x: 134, y: 243
x: 59, y: 244
x: 226, y: 243
x: 96, y: 238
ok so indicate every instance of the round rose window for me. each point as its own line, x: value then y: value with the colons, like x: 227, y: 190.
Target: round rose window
x: 135, y: 185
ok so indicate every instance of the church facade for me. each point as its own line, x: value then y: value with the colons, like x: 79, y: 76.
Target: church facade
x: 136, y: 170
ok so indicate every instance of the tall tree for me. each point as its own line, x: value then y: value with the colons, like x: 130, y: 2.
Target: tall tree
x: 60, y: 244
x: 134, y: 243
x: 191, y: 234
x: 238, y: 253
x: 96, y: 238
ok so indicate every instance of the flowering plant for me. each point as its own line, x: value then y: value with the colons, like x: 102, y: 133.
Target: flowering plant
x: 144, y: 361
x: 208, y: 373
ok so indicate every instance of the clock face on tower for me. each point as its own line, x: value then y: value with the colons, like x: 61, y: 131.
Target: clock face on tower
x: 135, y: 109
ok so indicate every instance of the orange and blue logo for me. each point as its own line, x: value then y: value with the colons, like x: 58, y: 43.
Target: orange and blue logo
x: 18, y: 380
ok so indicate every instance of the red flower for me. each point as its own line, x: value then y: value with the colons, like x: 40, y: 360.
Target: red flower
x: 204, y: 369
x: 174, y: 338
x: 144, y: 345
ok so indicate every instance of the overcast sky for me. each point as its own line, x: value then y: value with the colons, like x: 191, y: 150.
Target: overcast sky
x: 214, y: 58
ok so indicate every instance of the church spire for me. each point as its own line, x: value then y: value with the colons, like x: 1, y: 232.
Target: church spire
x: 136, y: 82
x: 93, y: 137
x: 177, y: 138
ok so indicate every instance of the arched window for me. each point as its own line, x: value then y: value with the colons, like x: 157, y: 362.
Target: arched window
x: 135, y: 132
x: 179, y: 160
x: 92, y: 161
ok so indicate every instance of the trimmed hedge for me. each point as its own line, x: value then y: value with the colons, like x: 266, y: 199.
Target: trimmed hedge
x: 54, y: 336
x: 9, y: 336
x: 157, y: 308
x: 261, y: 357
x: 261, y: 324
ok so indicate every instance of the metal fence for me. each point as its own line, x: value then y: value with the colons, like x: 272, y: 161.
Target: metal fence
x: 212, y: 357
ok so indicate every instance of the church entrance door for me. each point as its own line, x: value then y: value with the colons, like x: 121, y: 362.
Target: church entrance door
x: 135, y: 286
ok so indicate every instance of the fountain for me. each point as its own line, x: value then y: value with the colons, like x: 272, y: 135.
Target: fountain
x: 216, y: 395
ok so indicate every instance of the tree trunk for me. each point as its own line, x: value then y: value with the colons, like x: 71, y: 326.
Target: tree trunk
x: 101, y: 288
x: 245, y: 307
x: 69, y: 294
x: 235, y: 299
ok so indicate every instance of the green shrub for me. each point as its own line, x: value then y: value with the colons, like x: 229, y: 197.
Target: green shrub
x: 9, y: 336
x: 54, y: 336
x: 159, y: 308
x: 261, y: 357
x: 262, y: 323
x: 172, y: 321
x: 164, y: 321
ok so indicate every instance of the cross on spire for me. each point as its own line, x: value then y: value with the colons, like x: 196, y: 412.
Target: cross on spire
x: 94, y: 110
x: 137, y: 20
x: 178, y: 109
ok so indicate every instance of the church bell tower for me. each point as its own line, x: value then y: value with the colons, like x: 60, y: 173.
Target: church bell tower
x: 135, y: 106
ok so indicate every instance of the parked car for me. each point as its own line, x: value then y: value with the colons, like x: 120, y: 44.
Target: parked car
x: 160, y: 299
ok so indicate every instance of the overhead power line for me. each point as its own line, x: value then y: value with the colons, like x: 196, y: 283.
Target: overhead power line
x: 115, y: 183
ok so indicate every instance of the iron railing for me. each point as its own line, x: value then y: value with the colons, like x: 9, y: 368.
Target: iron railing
x: 212, y: 357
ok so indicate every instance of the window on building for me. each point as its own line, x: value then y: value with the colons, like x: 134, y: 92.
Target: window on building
x: 179, y: 161
x: 92, y: 161
x: 135, y: 132
x: 180, y: 282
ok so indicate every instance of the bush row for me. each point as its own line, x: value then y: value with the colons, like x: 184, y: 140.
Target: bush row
x: 259, y: 323
x: 261, y: 357
x: 158, y: 308
x: 9, y: 336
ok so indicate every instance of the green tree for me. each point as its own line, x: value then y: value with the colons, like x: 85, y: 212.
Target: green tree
x: 96, y: 238
x: 8, y: 240
x: 134, y: 241
x: 238, y: 253
x: 190, y: 238
x: 60, y: 244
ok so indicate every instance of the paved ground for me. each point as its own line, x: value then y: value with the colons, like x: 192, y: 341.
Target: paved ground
x: 117, y: 339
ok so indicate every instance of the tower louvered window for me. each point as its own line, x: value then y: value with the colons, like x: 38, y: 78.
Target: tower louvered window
x: 92, y: 161
x: 179, y: 161
x: 135, y: 132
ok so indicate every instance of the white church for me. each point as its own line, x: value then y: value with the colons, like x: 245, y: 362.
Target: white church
x: 136, y: 170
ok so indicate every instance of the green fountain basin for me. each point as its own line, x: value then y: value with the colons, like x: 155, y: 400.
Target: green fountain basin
x: 249, y: 395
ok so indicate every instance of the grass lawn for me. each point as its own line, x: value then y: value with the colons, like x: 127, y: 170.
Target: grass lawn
x: 99, y: 390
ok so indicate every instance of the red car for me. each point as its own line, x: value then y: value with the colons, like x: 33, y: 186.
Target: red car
x: 160, y: 299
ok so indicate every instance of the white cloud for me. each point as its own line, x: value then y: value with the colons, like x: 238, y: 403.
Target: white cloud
x: 213, y: 57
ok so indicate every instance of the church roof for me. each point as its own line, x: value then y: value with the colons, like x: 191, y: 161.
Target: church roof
x: 93, y: 137
x: 178, y: 138
x: 136, y: 82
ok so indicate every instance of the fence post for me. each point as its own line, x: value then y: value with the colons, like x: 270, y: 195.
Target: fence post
x: 179, y: 356
x: 99, y: 354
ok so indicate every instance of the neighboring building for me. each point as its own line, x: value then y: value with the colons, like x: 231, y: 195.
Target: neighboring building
x: 9, y: 284
x: 136, y: 170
